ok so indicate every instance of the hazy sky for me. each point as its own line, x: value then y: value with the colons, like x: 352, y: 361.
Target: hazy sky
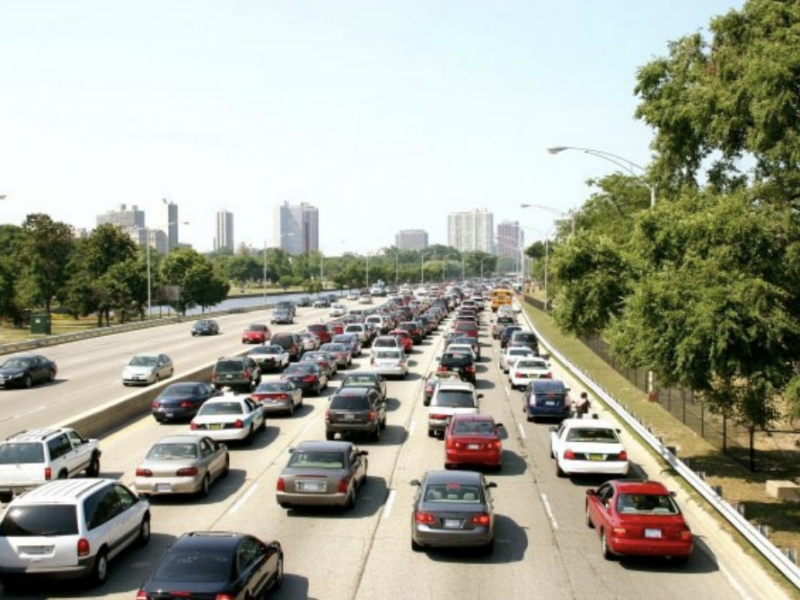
x: 385, y: 114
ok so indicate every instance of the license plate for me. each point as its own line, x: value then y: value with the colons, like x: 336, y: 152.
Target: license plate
x: 310, y: 486
x: 163, y: 487
x: 349, y: 417
x: 169, y: 415
x: 228, y: 376
x: 596, y: 457
x: 473, y: 446
x: 37, y: 550
x: 452, y: 523
x: 550, y: 403
x: 215, y: 426
x: 654, y: 534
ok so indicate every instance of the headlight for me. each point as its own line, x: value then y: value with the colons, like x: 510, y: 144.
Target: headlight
x: 15, y: 375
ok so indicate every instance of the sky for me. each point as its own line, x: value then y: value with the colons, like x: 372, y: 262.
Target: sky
x: 384, y: 114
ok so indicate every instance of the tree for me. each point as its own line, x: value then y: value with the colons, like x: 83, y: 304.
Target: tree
x: 10, y: 241
x: 192, y: 273
x: 45, y: 251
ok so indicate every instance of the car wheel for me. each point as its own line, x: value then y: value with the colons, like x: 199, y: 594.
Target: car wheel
x: 329, y: 435
x: 5, y: 498
x: 27, y: 382
x: 559, y: 471
x: 376, y: 435
x: 51, y: 376
x: 351, y: 501
x: 607, y: 553
x: 100, y: 571
x: 93, y: 470
x: 431, y: 432
x: 205, y: 487
x: 284, y: 505
x: 249, y: 439
x: 144, y: 532
x: 227, y: 468
x: 416, y: 547
x: 10, y: 584
x: 489, y: 548
x: 589, y: 522
x: 383, y: 423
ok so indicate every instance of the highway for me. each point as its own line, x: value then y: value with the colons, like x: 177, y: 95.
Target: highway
x: 543, y: 549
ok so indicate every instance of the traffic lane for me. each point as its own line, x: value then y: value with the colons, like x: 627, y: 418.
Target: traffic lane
x: 90, y: 370
x: 594, y: 576
x: 526, y: 562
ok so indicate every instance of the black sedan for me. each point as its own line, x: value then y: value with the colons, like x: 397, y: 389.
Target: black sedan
x: 308, y: 376
x: 205, y: 327
x: 181, y: 401
x: 26, y: 369
x: 216, y: 564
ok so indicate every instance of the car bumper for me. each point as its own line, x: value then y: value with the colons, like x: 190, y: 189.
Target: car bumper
x: 594, y: 467
x: 390, y: 371
x: 535, y: 412
x: 310, y: 499
x: 224, y: 435
x: 276, y: 406
x: 437, y: 424
x: 174, y: 414
x: 426, y: 536
x: 643, y: 547
x: 83, y: 568
x: 491, y: 458
x: 137, y: 381
x: 351, y: 427
x: 163, y: 485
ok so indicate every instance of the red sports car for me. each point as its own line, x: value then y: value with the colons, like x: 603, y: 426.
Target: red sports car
x: 638, y: 518
x: 473, y: 440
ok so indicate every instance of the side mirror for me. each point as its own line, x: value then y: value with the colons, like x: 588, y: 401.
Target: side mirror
x: 618, y: 430
x: 674, y: 494
x: 438, y: 358
x: 415, y: 482
x: 363, y: 452
x: 591, y: 493
x: 480, y: 396
x: 553, y: 429
x: 498, y: 426
x: 491, y: 484
x: 290, y: 450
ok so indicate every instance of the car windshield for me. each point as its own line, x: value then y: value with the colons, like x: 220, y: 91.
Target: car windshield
x: 29, y: 453
x: 39, y: 520
x: 195, y: 566
x: 454, y: 398
x: 257, y: 328
x: 456, y: 360
x: 453, y: 492
x: 143, y: 361
x: 17, y: 363
x: 173, y: 451
x: 388, y: 354
x: 647, y: 504
x: 474, y: 427
x: 273, y: 386
x: 345, y: 402
x: 359, y: 380
x: 317, y: 460
x: 221, y: 408
x: 592, y: 434
x: 179, y: 389
x: 229, y: 366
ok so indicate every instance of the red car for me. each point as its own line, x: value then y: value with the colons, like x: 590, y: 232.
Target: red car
x: 256, y: 334
x: 466, y: 328
x: 638, y: 518
x: 323, y: 331
x: 337, y: 326
x: 405, y: 339
x: 473, y: 440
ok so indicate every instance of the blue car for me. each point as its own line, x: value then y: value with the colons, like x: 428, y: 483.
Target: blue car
x: 547, y: 399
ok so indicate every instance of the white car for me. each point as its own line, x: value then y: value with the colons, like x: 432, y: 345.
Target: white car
x: 358, y: 329
x: 510, y: 354
x: 526, y: 369
x: 389, y: 363
x: 365, y: 299
x: 450, y: 398
x: 147, y: 368
x: 338, y: 310
x: 353, y: 296
x: 583, y: 446
x: 463, y: 348
x: 310, y: 341
x: 229, y: 417
x: 269, y: 356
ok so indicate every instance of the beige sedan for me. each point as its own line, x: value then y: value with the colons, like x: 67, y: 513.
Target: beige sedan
x: 182, y: 464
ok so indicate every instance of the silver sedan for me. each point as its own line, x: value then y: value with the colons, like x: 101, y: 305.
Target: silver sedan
x: 182, y: 464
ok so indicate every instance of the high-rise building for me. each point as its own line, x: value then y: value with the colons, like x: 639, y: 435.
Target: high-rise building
x: 224, y: 237
x: 296, y: 228
x: 411, y: 239
x: 471, y: 231
x: 169, y: 222
x: 123, y: 217
x: 156, y: 237
x: 510, y: 238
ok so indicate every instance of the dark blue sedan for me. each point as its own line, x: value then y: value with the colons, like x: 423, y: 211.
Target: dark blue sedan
x: 181, y: 401
x: 547, y: 399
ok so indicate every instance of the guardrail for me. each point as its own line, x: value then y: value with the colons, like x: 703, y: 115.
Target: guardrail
x: 771, y: 552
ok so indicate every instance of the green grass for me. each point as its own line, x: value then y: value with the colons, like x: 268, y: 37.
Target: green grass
x: 739, y: 484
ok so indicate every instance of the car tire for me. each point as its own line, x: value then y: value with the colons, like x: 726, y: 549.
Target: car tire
x: 351, y: 501
x: 9, y: 583
x: 488, y: 549
x: 93, y: 470
x: 51, y: 377
x: 144, y: 532
x: 5, y: 498
x: 27, y: 382
x: 249, y: 439
x: 100, y: 572
x: 589, y: 522
x: 431, y: 432
x: 205, y: 487
x: 285, y: 505
x: 604, y: 549
x: 376, y: 435
x: 559, y: 471
x: 330, y: 435
x: 416, y: 547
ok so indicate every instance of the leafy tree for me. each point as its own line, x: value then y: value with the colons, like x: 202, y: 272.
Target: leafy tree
x: 192, y: 272
x: 10, y: 241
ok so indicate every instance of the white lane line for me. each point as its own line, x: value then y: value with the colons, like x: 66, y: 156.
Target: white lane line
x: 549, y: 512
x: 734, y: 583
x: 240, y: 502
x: 412, y: 428
x: 28, y: 412
x: 521, y: 430
x: 387, y: 510
x: 508, y: 392
x: 307, y: 427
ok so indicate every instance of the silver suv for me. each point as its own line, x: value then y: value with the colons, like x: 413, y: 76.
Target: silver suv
x: 30, y: 458
x: 70, y: 529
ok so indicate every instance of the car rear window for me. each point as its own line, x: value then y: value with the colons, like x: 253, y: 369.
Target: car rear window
x: 40, y: 520
x: 173, y: 451
x: 595, y: 434
x: 474, y: 427
x: 453, y: 492
x: 350, y: 403
x: 359, y: 380
x: 201, y: 566
x: 463, y: 326
x: 456, y: 360
x: 221, y: 408
x: 388, y: 354
x: 646, y: 504
x: 454, y: 398
x: 317, y: 460
x: 21, y: 453
x: 521, y: 336
x: 229, y: 366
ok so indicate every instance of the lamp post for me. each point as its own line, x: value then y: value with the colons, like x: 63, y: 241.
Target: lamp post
x: 555, y: 211
x: 622, y: 162
x: 396, y: 267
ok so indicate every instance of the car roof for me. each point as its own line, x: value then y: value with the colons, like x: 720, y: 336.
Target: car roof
x: 155, y: 354
x: 226, y: 397
x: 33, y: 435
x: 323, y: 446
x: 548, y: 385
x: 639, y: 486
x: 207, y: 540
x: 473, y: 417
x: 588, y: 424
x: 354, y: 390
x: 456, y: 385
x: 61, y: 491
x: 438, y: 477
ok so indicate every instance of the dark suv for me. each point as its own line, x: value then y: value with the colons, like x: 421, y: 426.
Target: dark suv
x: 291, y: 342
x: 547, y: 399
x: 506, y: 334
x: 463, y: 364
x: 236, y: 371
x: 359, y: 410
x: 525, y: 339
x: 365, y: 379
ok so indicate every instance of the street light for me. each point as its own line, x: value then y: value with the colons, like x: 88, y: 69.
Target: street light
x: 624, y: 163
x: 555, y: 211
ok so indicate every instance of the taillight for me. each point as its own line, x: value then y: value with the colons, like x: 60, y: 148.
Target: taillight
x: 495, y: 445
x: 224, y: 597
x: 569, y: 455
x: 372, y: 415
x: 482, y: 519
x: 685, y: 535
x: 327, y: 416
x: 281, y: 486
x: 185, y: 404
x: 246, y: 375
x: 424, y: 518
x: 142, y: 595
x: 451, y: 443
x: 187, y: 472
x: 192, y: 425
x: 547, y: 375
x: 438, y: 417
x: 309, y: 378
x: 144, y: 473
x: 83, y: 547
x: 519, y: 375
x: 619, y: 532
x: 622, y: 455
x: 238, y: 424
x: 282, y: 396
x: 441, y: 369
x: 48, y: 473
x: 342, y: 487
x: 155, y: 404
x: 429, y: 389
x: 470, y: 369
x: 213, y: 376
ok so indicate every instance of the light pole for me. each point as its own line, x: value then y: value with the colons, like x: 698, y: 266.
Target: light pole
x: 555, y: 211
x: 396, y: 267
x: 623, y: 163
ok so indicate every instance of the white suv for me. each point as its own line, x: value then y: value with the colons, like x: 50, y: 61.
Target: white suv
x: 70, y: 529
x: 451, y: 398
x: 30, y: 458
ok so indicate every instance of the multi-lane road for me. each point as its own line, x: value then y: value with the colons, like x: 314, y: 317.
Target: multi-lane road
x: 543, y: 548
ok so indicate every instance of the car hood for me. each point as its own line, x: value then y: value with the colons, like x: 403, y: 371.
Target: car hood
x: 11, y: 371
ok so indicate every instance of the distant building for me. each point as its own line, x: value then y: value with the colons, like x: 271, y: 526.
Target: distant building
x: 411, y: 239
x: 123, y: 217
x: 224, y: 237
x: 510, y: 238
x: 157, y: 238
x: 296, y: 228
x: 169, y: 222
x: 471, y: 231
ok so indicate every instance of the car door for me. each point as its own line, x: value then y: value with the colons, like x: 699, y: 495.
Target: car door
x: 255, y: 413
x: 599, y: 506
x: 39, y: 369
x: 555, y: 440
x: 80, y: 454
x: 209, y: 457
x: 380, y: 405
x: 105, y: 528
x: 252, y: 566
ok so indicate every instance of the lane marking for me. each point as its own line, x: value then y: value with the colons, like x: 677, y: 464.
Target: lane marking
x: 549, y: 512
x: 387, y: 509
x: 521, y: 430
x: 412, y: 428
x: 240, y: 502
x: 734, y: 583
